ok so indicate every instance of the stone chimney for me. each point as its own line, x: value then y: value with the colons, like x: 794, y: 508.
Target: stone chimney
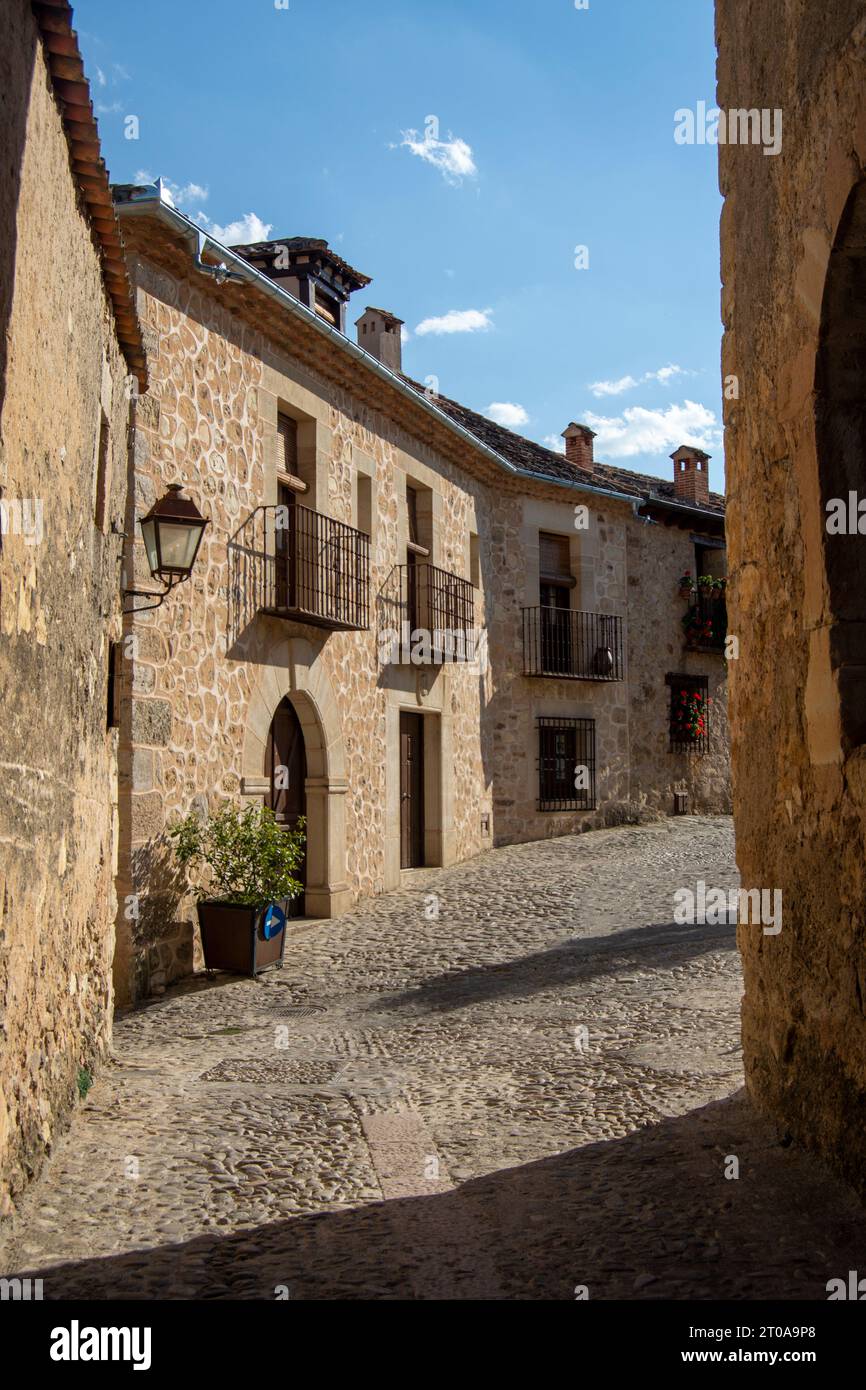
x: 379, y: 334
x: 578, y: 446
x: 691, y: 475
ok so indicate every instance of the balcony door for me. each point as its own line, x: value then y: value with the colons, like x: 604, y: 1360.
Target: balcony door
x: 411, y: 791
x: 555, y: 586
x: 285, y: 549
x: 286, y: 765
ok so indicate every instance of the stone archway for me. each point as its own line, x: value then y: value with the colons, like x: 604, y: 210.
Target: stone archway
x: 293, y: 671
x: 840, y: 436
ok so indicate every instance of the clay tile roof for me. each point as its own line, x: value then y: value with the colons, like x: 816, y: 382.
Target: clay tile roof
x: 72, y: 93
x: 384, y: 313
x: 546, y: 464
x: 317, y: 245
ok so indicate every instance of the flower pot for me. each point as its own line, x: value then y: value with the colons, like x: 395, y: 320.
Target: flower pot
x: 243, y: 940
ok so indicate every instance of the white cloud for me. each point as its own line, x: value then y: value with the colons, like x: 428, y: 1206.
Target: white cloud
x: 452, y: 157
x: 663, y: 376
x: 405, y: 335
x: 112, y: 110
x: 613, y: 388
x: 457, y: 321
x: 554, y: 442
x: 507, y: 413
x: 641, y: 431
x: 101, y: 78
x: 248, y: 228
x: 666, y: 374
x: 185, y: 196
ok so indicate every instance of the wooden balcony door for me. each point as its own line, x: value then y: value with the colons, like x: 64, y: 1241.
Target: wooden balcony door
x: 286, y: 764
x: 411, y: 791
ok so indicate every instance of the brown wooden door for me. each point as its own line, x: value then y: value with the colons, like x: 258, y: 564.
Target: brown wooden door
x: 286, y: 765
x: 411, y: 791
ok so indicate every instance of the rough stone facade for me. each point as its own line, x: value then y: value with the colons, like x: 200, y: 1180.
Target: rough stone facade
x: 63, y: 462
x: 205, y: 673
x: 794, y: 272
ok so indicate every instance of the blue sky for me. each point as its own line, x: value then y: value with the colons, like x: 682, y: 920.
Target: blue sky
x: 459, y: 153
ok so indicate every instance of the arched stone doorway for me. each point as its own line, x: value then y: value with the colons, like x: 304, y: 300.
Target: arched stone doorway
x: 840, y: 425
x: 286, y: 770
x: 293, y: 677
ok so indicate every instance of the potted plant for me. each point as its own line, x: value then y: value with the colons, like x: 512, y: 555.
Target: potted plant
x: 687, y: 584
x: 245, y: 894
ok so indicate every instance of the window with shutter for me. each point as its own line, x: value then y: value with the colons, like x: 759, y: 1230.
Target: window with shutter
x: 287, y: 444
x: 554, y: 558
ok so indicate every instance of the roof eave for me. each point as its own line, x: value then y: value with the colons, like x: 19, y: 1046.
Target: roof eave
x: 150, y: 204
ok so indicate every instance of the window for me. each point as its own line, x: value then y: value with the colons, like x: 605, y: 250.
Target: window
x: 689, y: 713
x: 328, y: 308
x: 412, y: 510
x: 113, y: 690
x: 566, y: 764
x: 710, y: 560
x: 364, y: 504
x: 100, y: 506
x: 474, y: 561
x: 287, y: 445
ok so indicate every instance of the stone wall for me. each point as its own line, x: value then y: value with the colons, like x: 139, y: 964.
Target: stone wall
x: 799, y: 783
x: 657, y: 557
x: 63, y: 387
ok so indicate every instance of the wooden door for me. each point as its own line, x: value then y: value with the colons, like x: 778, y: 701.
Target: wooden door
x: 286, y: 766
x: 411, y: 791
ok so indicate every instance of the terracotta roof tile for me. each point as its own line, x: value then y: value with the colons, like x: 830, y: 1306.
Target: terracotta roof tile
x: 72, y: 94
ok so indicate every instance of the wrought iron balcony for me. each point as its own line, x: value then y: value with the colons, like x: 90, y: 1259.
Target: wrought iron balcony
x: 427, y: 614
x: 706, y: 622
x: 572, y: 645
x: 295, y: 563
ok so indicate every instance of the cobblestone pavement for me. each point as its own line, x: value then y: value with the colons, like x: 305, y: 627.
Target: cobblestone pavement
x: 245, y: 1134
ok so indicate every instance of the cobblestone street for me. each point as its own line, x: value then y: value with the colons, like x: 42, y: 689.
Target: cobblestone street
x: 246, y: 1132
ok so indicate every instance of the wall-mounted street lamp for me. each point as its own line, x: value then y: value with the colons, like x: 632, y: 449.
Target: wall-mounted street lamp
x: 172, y: 532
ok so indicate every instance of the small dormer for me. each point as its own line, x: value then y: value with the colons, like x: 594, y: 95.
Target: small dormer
x: 309, y: 270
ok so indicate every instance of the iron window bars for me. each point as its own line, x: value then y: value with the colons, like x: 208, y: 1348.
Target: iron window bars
x: 565, y: 748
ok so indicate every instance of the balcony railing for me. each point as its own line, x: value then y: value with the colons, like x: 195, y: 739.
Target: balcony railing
x: 706, y: 623
x: 292, y: 562
x: 423, y: 609
x: 572, y: 645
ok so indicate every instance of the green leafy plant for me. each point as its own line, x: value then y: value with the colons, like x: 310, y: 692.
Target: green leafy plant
x: 84, y: 1081
x: 250, y: 859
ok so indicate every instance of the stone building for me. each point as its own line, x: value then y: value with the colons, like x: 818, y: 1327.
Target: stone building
x: 794, y: 273
x: 68, y: 342
x: 441, y: 635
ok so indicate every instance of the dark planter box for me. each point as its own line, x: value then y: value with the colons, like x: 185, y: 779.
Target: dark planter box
x: 233, y: 937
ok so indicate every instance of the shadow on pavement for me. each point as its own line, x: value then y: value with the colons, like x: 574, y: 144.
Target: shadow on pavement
x: 664, y: 945
x: 648, y: 1216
